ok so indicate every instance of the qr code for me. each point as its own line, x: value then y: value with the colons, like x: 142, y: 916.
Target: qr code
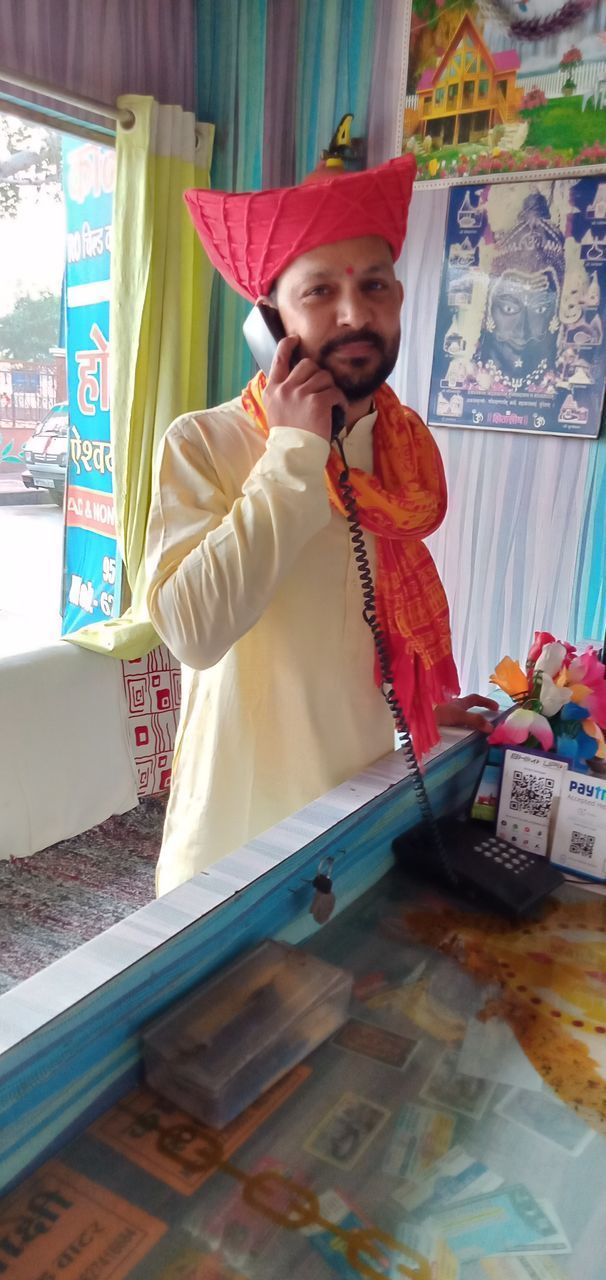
x: 531, y: 795
x: 581, y: 844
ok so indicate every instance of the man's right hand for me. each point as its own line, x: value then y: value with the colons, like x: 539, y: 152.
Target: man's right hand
x: 302, y: 396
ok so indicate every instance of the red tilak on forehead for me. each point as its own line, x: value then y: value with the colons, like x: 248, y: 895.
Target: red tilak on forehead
x: 349, y: 271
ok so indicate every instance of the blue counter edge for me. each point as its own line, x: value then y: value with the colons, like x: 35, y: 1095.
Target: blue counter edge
x: 57, y: 1079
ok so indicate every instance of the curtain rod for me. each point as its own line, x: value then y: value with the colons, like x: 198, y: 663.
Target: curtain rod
x: 120, y: 114
x: 104, y: 135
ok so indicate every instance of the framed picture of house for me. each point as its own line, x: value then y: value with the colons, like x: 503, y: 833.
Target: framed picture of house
x: 503, y: 87
x: 519, y: 340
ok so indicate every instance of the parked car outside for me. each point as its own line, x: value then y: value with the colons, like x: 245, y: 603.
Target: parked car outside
x: 46, y: 454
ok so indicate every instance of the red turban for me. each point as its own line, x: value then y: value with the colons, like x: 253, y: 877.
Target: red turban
x: 253, y: 236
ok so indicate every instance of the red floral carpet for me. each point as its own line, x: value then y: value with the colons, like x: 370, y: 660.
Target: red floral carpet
x: 67, y: 894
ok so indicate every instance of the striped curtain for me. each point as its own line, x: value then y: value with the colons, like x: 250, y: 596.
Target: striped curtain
x: 231, y: 92
x: 588, y: 617
x: 102, y: 48
x: 322, y: 60
x: 275, y: 76
x: 334, y: 65
x: 392, y: 18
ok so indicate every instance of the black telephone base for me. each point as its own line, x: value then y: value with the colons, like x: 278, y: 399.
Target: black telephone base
x: 493, y: 874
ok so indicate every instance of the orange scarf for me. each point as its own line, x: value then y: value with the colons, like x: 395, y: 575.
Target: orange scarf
x: 402, y: 502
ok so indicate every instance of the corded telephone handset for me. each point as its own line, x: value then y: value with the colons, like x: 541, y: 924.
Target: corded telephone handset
x: 497, y: 873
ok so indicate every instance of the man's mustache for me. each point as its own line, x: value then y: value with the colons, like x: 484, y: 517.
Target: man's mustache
x: 361, y: 335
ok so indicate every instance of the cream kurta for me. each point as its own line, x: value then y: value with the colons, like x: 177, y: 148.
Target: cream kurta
x: 254, y: 587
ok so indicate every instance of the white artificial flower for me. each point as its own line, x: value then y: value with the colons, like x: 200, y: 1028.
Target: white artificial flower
x: 551, y: 658
x: 551, y: 697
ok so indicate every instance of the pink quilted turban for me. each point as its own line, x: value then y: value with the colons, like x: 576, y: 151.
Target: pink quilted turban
x: 251, y: 237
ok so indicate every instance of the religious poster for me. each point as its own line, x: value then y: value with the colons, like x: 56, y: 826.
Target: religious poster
x: 503, y: 86
x: 519, y: 342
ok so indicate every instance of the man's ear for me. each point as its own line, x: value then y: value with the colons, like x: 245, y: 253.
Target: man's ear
x: 270, y: 299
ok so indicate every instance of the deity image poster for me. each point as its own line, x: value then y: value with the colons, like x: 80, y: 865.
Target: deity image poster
x: 504, y: 86
x: 519, y: 343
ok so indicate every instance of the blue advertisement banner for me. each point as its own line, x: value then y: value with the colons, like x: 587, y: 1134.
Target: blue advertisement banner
x: 519, y: 342
x: 92, y: 567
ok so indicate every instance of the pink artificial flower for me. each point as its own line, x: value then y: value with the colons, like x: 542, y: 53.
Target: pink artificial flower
x: 596, y: 706
x: 541, y: 638
x: 586, y: 675
x: 518, y: 727
x: 587, y: 669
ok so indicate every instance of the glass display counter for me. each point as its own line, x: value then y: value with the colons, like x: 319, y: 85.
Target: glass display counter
x: 453, y: 1127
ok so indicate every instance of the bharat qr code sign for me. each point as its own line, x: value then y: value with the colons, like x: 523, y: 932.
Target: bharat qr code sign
x: 528, y: 803
x: 579, y: 842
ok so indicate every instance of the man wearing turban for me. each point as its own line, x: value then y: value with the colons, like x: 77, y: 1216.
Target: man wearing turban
x: 253, y: 582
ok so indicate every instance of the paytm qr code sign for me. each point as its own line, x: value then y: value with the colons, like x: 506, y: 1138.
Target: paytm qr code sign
x: 579, y: 841
x: 530, y: 791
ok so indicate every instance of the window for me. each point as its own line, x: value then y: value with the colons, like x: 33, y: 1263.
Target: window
x: 468, y: 88
x: 453, y: 91
x: 32, y: 437
x: 43, y: 546
x: 439, y: 96
x: 483, y: 89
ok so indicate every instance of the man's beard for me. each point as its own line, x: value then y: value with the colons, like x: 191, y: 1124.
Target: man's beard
x: 365, y: 384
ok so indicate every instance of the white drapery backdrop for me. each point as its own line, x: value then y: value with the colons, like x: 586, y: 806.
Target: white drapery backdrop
x: 508, y: 551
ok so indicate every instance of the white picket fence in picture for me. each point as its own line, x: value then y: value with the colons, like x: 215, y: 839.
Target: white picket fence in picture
x: 586, y: 79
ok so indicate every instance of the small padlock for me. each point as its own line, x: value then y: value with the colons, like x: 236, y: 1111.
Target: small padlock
x: 323, y: 902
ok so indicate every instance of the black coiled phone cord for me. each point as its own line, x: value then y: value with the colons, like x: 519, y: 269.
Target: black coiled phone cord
x: 369, y: 614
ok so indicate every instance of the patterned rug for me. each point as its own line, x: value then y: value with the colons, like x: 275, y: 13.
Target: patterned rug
x: 67, y: 894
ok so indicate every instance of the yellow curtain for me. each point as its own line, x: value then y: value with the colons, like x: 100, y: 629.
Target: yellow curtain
x: 160, y: 294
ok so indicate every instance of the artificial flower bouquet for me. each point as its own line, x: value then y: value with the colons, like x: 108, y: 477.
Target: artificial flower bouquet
x: 560, y: 701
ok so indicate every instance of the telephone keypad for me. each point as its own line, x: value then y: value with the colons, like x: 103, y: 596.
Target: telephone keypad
x: 497, y: 872
x: 504, y: 854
